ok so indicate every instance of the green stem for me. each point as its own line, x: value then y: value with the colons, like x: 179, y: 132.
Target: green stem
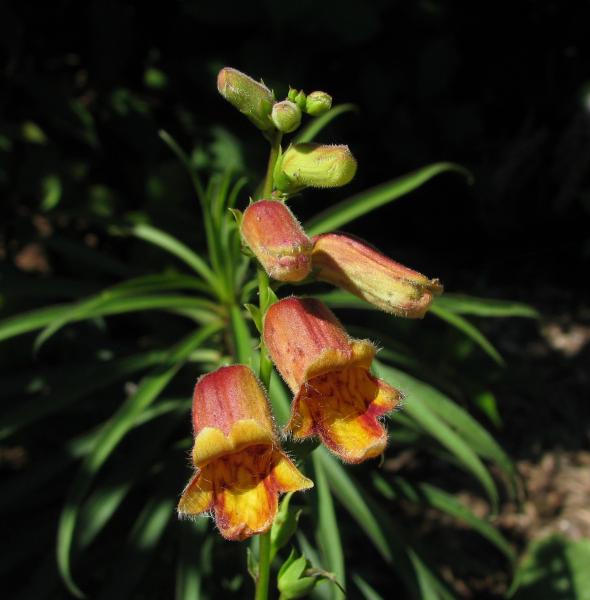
x: 265, y: 371
x: 275, y: 147
x: 263, y: 566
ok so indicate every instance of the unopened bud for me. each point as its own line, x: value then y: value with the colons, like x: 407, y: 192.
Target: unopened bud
x: 318, y: 103
x: 252, y: 99
x: 277, y: 239
x: 314, y: 165
x: 286, y: 116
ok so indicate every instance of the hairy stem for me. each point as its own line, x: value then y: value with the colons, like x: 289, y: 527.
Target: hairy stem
x: 275, y: 147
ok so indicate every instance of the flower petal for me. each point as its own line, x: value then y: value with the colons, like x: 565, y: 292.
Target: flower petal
x: 286, y: 476
x: 344, y: 406
x: 197, y: 497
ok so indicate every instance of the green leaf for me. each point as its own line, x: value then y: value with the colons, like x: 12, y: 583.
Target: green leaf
x: 351, y: 498
x: 169, y: 243
x: 366, y: 590
x: 111, y: 435
x: 313, y: 128
x: 240, y: 335
x: 360, y: 204
x: 189, y: 572
x: 328, y: 533
x: 140, y: 548
x: 469, y: 330
x: 552, y: 568
x: 484, y: 307
x: 84, y: 381
x: 430, y: 421
x: 110, y: 304
x: 429, y: 495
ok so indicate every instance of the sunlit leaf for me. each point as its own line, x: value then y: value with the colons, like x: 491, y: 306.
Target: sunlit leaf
x: 368, y: 200
x: 484, y: 307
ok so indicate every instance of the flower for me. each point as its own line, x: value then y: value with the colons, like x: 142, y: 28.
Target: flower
x: 277, y: 239
x: 240, y: 467
x: 314, y: 165
x: 336, y: 397
x: 252, y: 99
x: 352, y: 264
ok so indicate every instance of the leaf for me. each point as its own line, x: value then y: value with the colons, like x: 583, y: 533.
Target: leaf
x: 366, y: 590
x: 429, y: 495
x: 473, y: 432
x: 484, y: 307
x: 431, y: 422
x: 188, y: 572
x: 360, y: 204
x: 140, y: 547
x: 109, y: 305
x: 313, y: 128
x: 84, y: 381
x: 351, y: 498
x: 469, y: 330
x: 169, y: 243
x: 328, y: 531
x: 112, y: 433
x: 552, y: 568
x: 240, y: 335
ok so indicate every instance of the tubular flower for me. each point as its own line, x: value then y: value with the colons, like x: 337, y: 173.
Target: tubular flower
x: 336, y: 397
x: 240, y: 467
x: 277, y: 239
x: 355, y: 266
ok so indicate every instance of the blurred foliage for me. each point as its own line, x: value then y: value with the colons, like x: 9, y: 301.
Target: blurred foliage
x: 102, y: 244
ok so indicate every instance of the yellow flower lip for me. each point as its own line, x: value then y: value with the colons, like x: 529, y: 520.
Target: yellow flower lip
x: 211, y: 443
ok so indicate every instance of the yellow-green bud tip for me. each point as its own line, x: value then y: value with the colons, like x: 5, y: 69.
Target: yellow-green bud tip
x: 318, y: 103
x: 286, y: 116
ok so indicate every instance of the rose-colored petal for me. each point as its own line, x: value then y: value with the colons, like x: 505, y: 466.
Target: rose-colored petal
x: 227, y: 395
x: 355, y: 266
x: 277, y: 239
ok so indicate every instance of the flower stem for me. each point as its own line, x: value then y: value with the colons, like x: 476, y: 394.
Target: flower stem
x: 275, y: 147
x: 263, y: 566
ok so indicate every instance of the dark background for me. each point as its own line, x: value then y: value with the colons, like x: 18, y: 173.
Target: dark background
x: 500, y: 88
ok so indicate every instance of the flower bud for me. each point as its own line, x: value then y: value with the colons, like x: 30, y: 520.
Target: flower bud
x: 300, y: 99
x: 318, y: 103
x: 277, y: 239
x: 355, y: 266
x: 252, y: 99
x: 293, y: 581
x: 314, y: 165
x: 286, y: 116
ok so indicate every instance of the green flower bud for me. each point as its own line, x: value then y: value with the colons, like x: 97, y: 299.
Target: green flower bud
x: 251, y: 98
x: 292, y: 580
x: 318, y: 103
x: 314, y: 165
x: 292, y: 94
x: 286, y: 116
x: 300, y: 100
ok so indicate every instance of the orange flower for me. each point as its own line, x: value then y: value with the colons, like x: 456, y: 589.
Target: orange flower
x: 355, y: 266
x: 240, y: 467
x: 336, y: 397
x: 277, y: 239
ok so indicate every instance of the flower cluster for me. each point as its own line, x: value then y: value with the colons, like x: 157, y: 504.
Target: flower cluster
x: 240, y: 467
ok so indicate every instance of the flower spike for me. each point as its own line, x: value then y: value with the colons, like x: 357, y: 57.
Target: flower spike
x: 336, y: 397
x: 241, y: 469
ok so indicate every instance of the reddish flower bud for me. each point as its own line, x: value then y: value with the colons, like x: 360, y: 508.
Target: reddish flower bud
x: 336, y: 397
x: 277, y: 239
x: 355, y: 266
x: 240, y: 467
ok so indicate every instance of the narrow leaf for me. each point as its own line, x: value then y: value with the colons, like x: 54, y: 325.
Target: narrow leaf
x: 350, y: 209
x: 315, y: 126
